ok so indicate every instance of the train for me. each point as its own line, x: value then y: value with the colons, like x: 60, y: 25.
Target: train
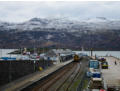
x: 78, y: 57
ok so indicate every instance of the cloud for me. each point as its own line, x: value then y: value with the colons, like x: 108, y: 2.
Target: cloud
x: 22, y: 11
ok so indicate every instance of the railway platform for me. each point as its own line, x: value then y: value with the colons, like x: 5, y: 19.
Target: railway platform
x: 23, y: 82
x: 111, y: 75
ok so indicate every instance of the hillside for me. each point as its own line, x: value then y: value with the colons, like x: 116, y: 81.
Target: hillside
x: 99, y: 33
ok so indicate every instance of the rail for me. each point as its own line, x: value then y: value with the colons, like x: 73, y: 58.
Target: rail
x: 60, y: 80
x: 47, y: 79
x: 70, y: 79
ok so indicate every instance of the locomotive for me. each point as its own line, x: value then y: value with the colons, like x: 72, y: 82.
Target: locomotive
x: 77, y: 57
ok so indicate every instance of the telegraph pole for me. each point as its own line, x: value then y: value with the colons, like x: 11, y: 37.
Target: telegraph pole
x: 91, y: 52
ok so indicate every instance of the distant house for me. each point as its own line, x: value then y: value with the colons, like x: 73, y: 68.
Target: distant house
x: 58, y: 55
x: 51, y: 55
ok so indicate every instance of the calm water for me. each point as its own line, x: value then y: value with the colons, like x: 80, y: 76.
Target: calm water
x: 4, y: 52
x: 102, y: 53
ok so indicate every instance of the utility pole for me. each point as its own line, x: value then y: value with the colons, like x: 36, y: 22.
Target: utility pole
x: 21, y: 52
x: 91, y: 52
x: 43, y: 58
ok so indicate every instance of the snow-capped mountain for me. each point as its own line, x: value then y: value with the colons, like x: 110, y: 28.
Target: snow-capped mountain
x: 100, y: 33
x: 99, y: 23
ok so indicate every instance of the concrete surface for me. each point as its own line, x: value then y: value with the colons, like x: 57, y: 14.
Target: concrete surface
x: 112, y: 74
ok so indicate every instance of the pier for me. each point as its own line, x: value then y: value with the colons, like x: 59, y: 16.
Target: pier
x: 111, y: 75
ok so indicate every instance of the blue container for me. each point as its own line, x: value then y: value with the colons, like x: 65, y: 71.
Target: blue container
x: 8, y: 58
x: 94, y: 64
x: 89, y: 74
x: 96, y: 75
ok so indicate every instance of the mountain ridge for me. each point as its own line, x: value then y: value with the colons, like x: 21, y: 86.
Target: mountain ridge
x: 62, y: 32
x: 63, y: 23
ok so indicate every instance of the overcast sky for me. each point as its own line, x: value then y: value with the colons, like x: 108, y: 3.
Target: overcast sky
x: 22, y: 11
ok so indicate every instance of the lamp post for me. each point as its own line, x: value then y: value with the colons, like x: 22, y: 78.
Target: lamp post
x: 91, y: 52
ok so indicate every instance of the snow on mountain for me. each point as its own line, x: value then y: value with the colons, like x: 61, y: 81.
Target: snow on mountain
x: 97, y: 19
x: 63, y: 24
x: 49, y: 36
x: 72, y: 33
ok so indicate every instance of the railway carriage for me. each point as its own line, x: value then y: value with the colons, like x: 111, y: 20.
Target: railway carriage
x: 79, y: 56
x: 76, y: 58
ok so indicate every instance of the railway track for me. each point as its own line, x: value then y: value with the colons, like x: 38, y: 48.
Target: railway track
x: 61, y: 80
x: 76, y: 75
x: 69, y: 81
x: 45, y: 86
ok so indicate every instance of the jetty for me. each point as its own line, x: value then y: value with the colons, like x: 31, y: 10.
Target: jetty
x: 111, y: 75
